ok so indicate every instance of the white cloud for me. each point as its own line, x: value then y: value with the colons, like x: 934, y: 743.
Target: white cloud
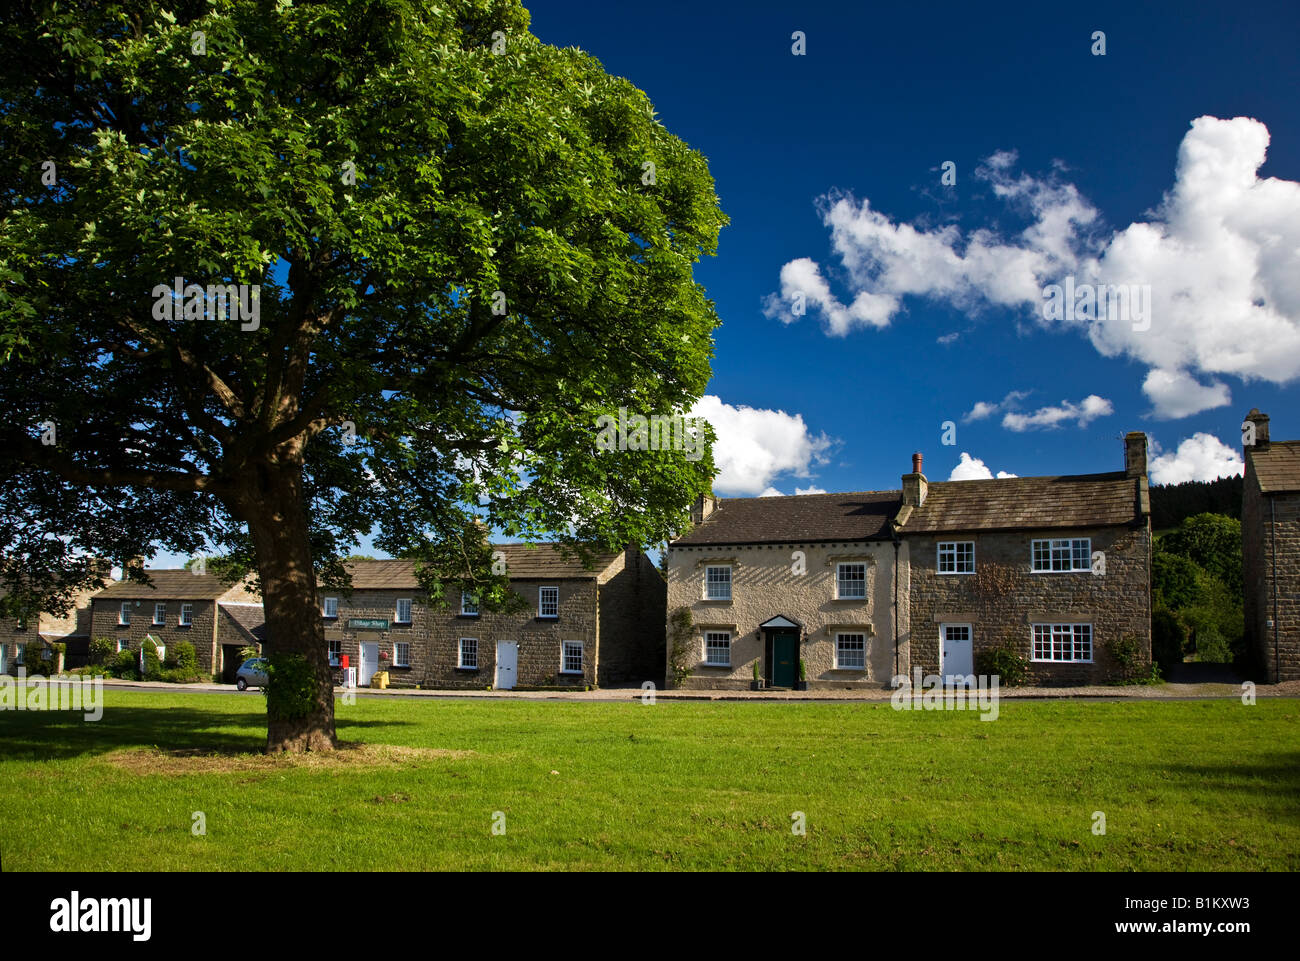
x: 947, y: 339
x: 1177, y: 394
x: 809, y: 490
x: 1220, y: 254
x: 984, y: 409
x: 1201, y: 457
x: 1082, y: 413
x: 972, y: 468
x: 755, y: 446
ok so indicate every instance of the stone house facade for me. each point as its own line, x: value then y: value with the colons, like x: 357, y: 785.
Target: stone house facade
x: 863, y: 587
x: 580, y: 628
x: 1059, y: 568
x: 772, y: 581
x: 1270, y: 532
x: 72, y: 630
x: 219, y: 619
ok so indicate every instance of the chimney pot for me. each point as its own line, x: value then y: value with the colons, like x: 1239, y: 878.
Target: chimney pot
x: 916, y: 463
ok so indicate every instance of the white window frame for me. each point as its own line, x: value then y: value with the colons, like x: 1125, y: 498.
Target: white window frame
x: 708, y: 584
x: 336, y: 660
x: 124, y: 614
x: 460, y: 654
x: 186, y: 617
x: 398, y: 660
x: 123, y: 645
x: 159, y: 615
x: 469, y: 604
x: 1052, y: 645
x: 564, y: 657
x: 1053, y: 545
x: 542, y: 592
x: 329, y: 607
x: 839, y: 581
x: 717, y: 637
x: 397, y: 610
x: 851, y: 667
x: 954, y: 551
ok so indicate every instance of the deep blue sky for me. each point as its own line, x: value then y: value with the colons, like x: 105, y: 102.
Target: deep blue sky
x: 884, y: 95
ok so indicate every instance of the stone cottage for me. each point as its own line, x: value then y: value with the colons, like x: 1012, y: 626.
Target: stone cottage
x: 854, y: 590
x: 1270, y: 532
x: 72, y: 631
x: 218, y: 618
x: 580, y: 627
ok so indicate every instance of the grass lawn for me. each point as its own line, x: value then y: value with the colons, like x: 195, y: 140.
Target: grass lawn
x: 1185, y: 786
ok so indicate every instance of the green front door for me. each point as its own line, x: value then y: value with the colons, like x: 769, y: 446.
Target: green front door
x: 785, y: 659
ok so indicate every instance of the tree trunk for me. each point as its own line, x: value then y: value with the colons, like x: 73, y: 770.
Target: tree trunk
x: 300, y: 712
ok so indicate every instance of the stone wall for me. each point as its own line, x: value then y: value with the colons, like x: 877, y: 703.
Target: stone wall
x: 1004, y: 598
x: 434, y: 637
x: 104, y: 616
x: 797, y: 581
x: 632, y: 598
x: 1269, y: 531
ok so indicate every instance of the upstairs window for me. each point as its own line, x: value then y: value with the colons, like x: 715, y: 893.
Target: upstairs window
x: 187, y: 615
x: 403, y: 611
x: 468, y: 604
x: 1062, y: 554
x: 159, y: 615
x: 124, y: 614
x: 548, y: 602
x: 717, y: 583
x: 956, y: 557
x: 851, y: 581
x: 329, y: 607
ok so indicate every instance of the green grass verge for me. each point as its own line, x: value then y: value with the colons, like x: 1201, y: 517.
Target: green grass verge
x: 1184, y: 786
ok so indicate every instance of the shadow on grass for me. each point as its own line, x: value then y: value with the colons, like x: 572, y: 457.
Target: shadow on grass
x: 60, y: 735
x: 1280, y: 776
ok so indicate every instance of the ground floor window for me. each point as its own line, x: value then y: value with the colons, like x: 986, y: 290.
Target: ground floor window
x: 851, y: 652
x: 401, y: 654
x: 717, y: 648
x: 1063, y: 642
x: 571, y: 657
x: 468, y: 653
x: 19, y: 654
x: 336, y: 653
x: 123, y: 645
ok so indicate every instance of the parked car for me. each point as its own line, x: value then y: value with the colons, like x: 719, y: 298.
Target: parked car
x: 252, y: 673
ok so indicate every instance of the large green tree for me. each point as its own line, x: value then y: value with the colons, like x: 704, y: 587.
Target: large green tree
x: 469, y: 244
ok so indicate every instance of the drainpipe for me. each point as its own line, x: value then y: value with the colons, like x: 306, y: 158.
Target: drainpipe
x: 1272, y: 527
x: 895, y: 605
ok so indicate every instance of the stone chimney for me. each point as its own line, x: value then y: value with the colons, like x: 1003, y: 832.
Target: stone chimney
x: 1261, y: 429
x: 914, y: 484
x: 704, y: 505
x: 1135, y: 454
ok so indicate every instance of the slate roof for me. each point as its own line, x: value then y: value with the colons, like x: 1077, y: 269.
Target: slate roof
x: 175, y: 585
x: 1277, y: 467
x: 542, y: 561
x: 863, y: 515
x: 250, y: 617
x: 1020, y: 503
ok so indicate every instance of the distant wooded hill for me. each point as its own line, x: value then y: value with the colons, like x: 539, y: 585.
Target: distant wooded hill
x: 1171, y: 504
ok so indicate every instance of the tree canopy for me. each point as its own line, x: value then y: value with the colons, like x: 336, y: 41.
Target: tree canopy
x: 467, y: 246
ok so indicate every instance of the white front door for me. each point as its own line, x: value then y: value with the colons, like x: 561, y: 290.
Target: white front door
x: 956, y: 653
x: 507, y: 663
x: 369, y: 662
